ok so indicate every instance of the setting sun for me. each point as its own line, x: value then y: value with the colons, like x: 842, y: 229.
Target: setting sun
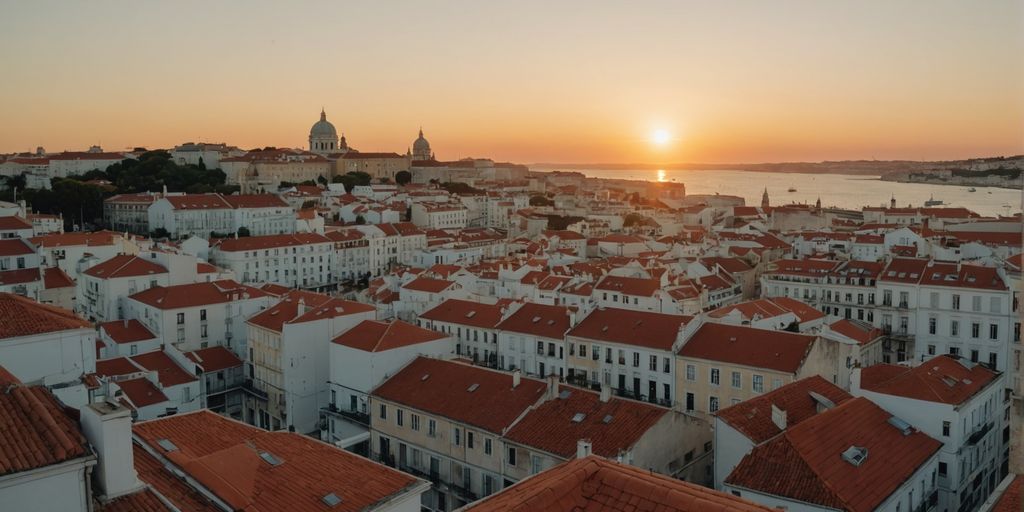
x: 660, y: 137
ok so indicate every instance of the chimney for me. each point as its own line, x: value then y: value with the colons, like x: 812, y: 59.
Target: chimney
x: 606, y: 393
x: 552, y: 387
x: 517, y: 377
x: 583, y: 448
x: 855, y: 379
x: 108, y: 427
x: 302, y: 306
x: 779, y: 417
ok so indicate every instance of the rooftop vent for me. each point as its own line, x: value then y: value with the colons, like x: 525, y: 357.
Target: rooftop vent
x: 425, y: 376
x: 471, y: 314
x: 270, y: 459
x: 536, y: 319
x: 472, y: 387
x: 578, y: 417
x: 331, y: 500
x: 855, y: 455
x: 166, y: 444
x: 607, y: 419
x: 900, y: 425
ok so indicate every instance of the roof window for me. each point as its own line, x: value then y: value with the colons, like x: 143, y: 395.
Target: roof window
x: 855, y: 455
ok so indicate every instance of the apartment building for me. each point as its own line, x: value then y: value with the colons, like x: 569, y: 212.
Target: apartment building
x: 532, y: 339
x: 473, y: 325
x: 299, y: 260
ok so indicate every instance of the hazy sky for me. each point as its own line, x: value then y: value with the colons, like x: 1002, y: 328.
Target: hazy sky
x: 527, y: 81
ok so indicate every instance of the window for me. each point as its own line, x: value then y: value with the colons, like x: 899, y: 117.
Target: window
x: 933, y: 299
x: 202, y: 331
x: 134, y: 349
x: 931, y: 325
x: 736, y: 380
x: 540, y: 347
x: 945, y: 429
x: 993, y: 305
x: 414, y: 420
x: 181, y: 318
x: 714, y: 376
x: 469, y: 440
x: 431, y: 428
x: 954, y: 327
x: 202, y: 315
x: 595, y: 354
x: 993, y: 331
x: 487, y: 446
x: 975, y: 330
x: 400, y: 417
x: 976, y: 303
x: 992, y: 360
x: 956, y: 301
x: 942, y: 469
x: 534, y: 464
x: 636, y: 359
x: 653, y: 363
x: 713, y: 404
x: 758, y: 383
x: 583, y: 350
x: 691, y: 372
x: 931, y: 350
x: 456, y: 436
x: 511, y: 456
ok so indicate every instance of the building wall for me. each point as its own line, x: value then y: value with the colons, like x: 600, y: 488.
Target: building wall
x: 61, y: 487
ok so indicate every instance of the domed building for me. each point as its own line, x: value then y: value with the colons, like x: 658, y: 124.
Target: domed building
x: 421, y: 148
x: 323, y: 137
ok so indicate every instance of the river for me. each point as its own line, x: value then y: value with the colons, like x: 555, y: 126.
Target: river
x: 840, y: 190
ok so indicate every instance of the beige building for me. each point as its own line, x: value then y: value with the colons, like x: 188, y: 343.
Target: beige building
x: 377, y: 165
x: 721, y: 365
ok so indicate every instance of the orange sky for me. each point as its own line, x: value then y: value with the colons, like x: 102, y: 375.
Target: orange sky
x: 732, y: 81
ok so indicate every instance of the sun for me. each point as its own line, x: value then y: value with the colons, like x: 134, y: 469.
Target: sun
x: 660, y: 137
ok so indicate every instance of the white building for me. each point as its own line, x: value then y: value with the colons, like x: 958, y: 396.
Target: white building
x: 473, y: 325
x: 439, y: 216
x: 299, y: 260
x: 532, y: 339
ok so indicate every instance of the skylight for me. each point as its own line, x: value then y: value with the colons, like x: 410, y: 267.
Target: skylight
x: 331, y: 500
x: 269, y: 458
x: 579, y: 417
x: 855, y: 455
x: 564, y: 394
x: 166, y: 444
x: 607, y: 419
x: 473, y: 387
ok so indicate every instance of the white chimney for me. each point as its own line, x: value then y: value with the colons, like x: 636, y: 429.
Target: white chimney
x: 855, y: 379
x: 583, y: 448
x: 552, y: 387
x: 779, y: 417
x: 108, y: 427
x: 517, y: 377
x: 606, y: 393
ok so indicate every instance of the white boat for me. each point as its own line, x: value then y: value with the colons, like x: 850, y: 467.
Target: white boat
x: 933, y: 202
x: 972, y: 189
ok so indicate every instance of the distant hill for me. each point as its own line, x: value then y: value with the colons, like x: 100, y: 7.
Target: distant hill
x: 868, y: 167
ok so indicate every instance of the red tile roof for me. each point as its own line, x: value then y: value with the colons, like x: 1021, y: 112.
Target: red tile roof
x: 539, y: 320
x: 168, y: 371
x: 255, y: 201
x: 630, y: 327
x: 255, y: 243
x: 768, y: 308
x: 25, y: 317
x: 140, y: 501
x: 862, y: 332
x: 465, y: 312
x: 13, y: 222
x: 962, y: 276
x: 125, y: 265
x: 198, y: 202
x: 35, y: 432
x: 126, y: 331
x: 629, y: 285
x: 1010, y: 501
x: 429, y: 285
x: 553, y: 427
x: 443, y: 388
x: 758, y: 348
x: 94, y: 239
x: 15, y: 247
x: 196, y: 294
x: 140, y: 392
x: 377, y: 336
x: 818, y: 268
x: 904, y: 270
x: 54, y: 277
x: 314, y: 306
x: 224, y: 456
x: 944, y: 379
x: 116, y: 366
x: 153, y: 472
x: 753, y: 417
x: 214, y: 359
x: 19, y: 276
x: 805, y: 463
x: 593, y: 484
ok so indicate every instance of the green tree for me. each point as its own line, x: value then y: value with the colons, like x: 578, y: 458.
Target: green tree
x: 632, y: 219
x: 540, y: 200
x: 243, y: 232
x: 403, y: 177
x: 159, y: 233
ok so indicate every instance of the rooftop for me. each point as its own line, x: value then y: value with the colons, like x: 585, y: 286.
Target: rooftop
x: 753, y: 417
x: 465, y: 312
x: 377, y: 336
x: 630, y: 327
x: 26, y: 317
x: 944, y: 379
x: 746, y: 346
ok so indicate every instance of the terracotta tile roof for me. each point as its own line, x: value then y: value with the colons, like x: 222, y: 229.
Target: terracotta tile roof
x: 594, y: 484
x: 140, y: 392
x: 539, y: 320
x: 962, y: 276
x: 214, y: 359
x: 205, y: 268
x: 125, y: 265
x: 629, y: 285
x: 196, y: 294
x: 611, y: 427
x: 198, y: 202
x: 255, y: 243
x: 15, y: 247
x: 630, y: 327
x: 805, y: 463
x: 141, y: 501
x: 275, y: 289
x: 443, y: 388
x: 314, y: 306
x: 904, y: 270
x: 25, y: 317
x: 255, y: 201
x: 19, y: 276
x: 35, y: 432
x: 226, y: 457
x: 126, y: 331
x: 54, y: 277
x: 819, y: 268
x: 768, y: 308
x: 377, y: 336
x: 153, y: 472
x: 168, y: 371
x: 758, y: 348
x: 944, y: 379
x: 116, y: 366
x: 13, y: 222
x: 94, y: 239
x: 428, y: 284
x: 715, y: 282
x: 861, y: 332
x: 465, y: 312
x: 753, y: 417
x: 730, y: 265
x: 1010, y: 501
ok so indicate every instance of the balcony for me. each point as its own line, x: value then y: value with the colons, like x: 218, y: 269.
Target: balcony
x: 249, y: 387
x: 464, y: 491
x: 384, y: 458
x: 978, y: 434
x: 361, y: 418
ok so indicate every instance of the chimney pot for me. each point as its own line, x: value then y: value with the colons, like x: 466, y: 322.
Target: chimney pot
x: 606, y: 393
x: 516, y: 378
x: 583, y: 448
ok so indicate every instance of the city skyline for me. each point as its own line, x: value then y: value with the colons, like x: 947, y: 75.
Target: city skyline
x: 536, y: 83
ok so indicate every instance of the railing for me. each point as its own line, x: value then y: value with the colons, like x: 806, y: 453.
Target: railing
x: 979, y: 433
x: 249, y: 387
x: 384, y: 458
x: 361, y: 418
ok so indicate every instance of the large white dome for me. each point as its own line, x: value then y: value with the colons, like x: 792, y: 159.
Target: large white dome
x: 323, y: 128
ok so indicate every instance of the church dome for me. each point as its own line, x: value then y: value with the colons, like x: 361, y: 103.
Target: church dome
x: 323, y: 128
x: 421, y: 144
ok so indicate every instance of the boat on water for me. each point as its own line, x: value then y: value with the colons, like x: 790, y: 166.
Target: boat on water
x: 933, y: 202
x: 972, y: 189
x: 791, y: 189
